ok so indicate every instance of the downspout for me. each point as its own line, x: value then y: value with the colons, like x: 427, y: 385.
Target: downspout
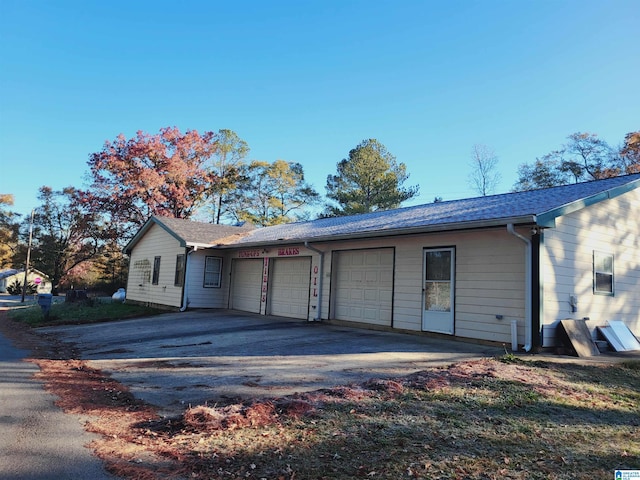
x: 185, y: 297
x: 321, y: 275
x: 528, y: 317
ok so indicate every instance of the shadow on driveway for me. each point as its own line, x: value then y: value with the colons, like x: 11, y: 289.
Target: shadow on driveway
x: 217, y: 356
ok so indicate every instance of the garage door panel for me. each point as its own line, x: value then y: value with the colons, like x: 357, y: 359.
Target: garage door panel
x: 364, y: 286
x: 289, y: 287
x: 355, y: 294
x: 386, y: 296
x: 371, y: 277
x: 373, y: 259
x: 371, y: 295
x: 357, y: 259
x: 370, y: 315
x: 246, y: 285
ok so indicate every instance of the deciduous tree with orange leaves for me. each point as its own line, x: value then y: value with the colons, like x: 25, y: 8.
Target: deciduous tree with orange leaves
x: 161, y: 174
x: 630, y: 153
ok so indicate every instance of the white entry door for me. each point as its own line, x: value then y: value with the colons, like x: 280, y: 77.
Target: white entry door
x: 439, y: 289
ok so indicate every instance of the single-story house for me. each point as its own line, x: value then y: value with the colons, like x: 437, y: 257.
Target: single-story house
x: 36, y: 277
x: 495, y: 268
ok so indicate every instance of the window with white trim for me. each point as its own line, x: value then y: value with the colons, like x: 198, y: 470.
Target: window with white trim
x: 602, y: 273
x: 179, y: 277
x: 212, y: 272
x: 156, y: 271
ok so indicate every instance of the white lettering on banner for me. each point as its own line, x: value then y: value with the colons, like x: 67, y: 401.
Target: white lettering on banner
x: 288, y: 252
x: 627, y: 474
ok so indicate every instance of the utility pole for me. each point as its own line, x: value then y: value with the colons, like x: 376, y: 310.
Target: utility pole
x: 26, y: 267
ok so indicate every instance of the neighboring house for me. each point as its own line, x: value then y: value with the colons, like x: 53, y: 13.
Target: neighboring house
x: 42, y: 281
x: 475, y: 268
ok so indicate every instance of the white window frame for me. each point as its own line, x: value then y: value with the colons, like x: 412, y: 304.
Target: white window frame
x: 155, y: 279
x: 216, y: 272
x: 180, y: 269
x: 598, y: 258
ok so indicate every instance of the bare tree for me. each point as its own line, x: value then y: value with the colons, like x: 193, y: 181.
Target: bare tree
x: 583, y: 158
x: 484, y: 177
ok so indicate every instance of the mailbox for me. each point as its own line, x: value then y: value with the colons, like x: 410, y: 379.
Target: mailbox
x: 44, y: 300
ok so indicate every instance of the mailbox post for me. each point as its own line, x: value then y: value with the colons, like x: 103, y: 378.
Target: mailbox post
x: 44, y: 300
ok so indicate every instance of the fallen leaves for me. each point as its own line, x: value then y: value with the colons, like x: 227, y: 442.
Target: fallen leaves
x: 473, y: 420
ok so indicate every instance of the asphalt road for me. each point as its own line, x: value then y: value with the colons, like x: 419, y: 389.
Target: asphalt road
x: 180, y: 359
x: 37, y: 440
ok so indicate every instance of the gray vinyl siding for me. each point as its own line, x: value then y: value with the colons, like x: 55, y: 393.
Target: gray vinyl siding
x: 489, y: 281
x: 156, y: 242
x: 197, y: 295
x: 489, y: 278
x: 489, y: 267
x: 567, y: 262
x: 408, y: 283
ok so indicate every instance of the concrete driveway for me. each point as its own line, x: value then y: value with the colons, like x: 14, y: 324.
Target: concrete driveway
x: 179, y: 359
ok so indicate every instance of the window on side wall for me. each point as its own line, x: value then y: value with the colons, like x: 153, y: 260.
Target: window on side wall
x: 212, y: 272
x: 602, y: 273
x: 156, y: 271
x: 179, y: 278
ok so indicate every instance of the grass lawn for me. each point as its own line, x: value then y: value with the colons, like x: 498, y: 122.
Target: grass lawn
x: 91, y: 310
x: 496, y: 418
x: 476, y: 420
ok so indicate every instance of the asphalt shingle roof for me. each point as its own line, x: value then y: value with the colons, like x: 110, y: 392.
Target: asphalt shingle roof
x: 200, y: 233
x: 497, y: 209
x: 534, y: 206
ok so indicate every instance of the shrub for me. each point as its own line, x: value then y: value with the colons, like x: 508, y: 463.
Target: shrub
x: 16, y: 288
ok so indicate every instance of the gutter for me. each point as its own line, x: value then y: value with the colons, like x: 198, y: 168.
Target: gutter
x: 185, y: 297
x: 528, y: 317
x: 321, y: 275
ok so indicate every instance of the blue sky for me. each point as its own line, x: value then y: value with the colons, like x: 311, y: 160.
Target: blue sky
x: 306, y: 81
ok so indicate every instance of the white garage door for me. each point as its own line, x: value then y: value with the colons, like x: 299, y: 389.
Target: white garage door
x: 289, y: 287
x: 364, y: 286
x: 246, y: 284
